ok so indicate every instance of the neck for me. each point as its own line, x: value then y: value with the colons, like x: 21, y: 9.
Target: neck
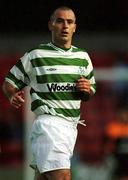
x: 64, y: 45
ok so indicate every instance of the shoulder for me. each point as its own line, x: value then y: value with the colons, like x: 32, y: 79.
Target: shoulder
x: 78, y: 49
x: 40, y: 47
x: 81, y: 51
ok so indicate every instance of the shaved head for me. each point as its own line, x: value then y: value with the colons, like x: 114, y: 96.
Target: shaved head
x: 63, y: 8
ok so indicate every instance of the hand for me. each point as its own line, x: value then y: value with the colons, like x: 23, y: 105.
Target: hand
x: 17, y: 99
x: 83, y: 85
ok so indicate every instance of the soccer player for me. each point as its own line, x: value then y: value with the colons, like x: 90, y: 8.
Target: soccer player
x: 60, y: 76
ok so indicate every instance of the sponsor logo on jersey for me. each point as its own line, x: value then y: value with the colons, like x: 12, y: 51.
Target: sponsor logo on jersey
x: 51, y: 69
x: 56, y: 87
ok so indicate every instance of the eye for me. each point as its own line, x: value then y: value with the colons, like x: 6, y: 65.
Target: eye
x: 59, y: 20
x: 70, y: 21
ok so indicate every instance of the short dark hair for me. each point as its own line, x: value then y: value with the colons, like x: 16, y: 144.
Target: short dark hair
x: 65, y: 8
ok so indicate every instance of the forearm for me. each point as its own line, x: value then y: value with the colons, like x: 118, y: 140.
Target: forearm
x: 85, y: 96
x: 15, y: 96
x: 9, y: 90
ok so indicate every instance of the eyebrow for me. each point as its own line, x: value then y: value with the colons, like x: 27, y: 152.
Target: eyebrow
x: 73, y: 20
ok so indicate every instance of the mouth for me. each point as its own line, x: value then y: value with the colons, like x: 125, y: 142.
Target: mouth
x: 64, y: 33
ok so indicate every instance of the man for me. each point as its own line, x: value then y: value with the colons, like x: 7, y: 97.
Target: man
x: 60, y: 75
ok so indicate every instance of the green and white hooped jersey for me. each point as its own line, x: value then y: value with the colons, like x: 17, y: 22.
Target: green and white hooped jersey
x: 52, y: 72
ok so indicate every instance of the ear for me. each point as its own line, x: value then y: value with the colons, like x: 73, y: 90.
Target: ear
x: 50, y: 25
x: 74, y: 28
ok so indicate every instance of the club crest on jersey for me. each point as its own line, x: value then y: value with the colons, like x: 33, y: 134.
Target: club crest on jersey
x: 56, y: 87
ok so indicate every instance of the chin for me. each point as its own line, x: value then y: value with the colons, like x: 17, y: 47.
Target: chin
x: 64, y: 39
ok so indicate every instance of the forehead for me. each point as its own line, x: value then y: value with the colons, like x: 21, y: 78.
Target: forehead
x: 64, y: 14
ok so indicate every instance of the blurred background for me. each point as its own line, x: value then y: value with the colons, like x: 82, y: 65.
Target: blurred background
x: 101, y: 151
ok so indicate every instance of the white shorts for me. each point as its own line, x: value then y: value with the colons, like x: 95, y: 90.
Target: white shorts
x: 52, y: 139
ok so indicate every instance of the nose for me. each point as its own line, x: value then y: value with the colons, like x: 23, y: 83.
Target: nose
x: 65, y: 24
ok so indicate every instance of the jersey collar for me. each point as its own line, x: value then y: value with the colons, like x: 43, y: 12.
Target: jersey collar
x: 60, y: 49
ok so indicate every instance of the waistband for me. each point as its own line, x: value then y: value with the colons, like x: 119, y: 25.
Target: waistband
x: 60, y: 120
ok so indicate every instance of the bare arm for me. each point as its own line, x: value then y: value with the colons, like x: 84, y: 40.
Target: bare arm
x: 15, y: 96
x: 83, y: 85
